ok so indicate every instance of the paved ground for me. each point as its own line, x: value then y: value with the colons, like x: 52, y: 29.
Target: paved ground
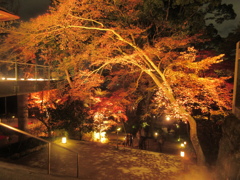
x: 99, y: 161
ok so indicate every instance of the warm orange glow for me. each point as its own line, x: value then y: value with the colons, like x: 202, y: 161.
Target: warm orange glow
x: 182, y: 153
x: 64, y: 140
x: 168, y: 118
x: 23, y: 79
x: 155, y: 134
x: 100, y: 137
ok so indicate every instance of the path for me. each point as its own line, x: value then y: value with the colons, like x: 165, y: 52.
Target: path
x: 99, y: 161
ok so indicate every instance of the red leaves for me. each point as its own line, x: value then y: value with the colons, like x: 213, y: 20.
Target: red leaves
x: 107, y: 112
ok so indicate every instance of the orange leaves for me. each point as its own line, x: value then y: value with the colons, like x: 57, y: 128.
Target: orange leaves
x: 192, y: 87
x: 85, y: 83
x: 45, y: 99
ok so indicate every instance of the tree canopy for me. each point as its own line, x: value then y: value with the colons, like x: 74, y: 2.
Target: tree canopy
x: 101, y: 44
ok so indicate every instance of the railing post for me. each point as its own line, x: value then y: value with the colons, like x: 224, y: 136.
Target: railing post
x: 77, y: 165
x: 35, y: 72
x: 49, y: 146
x: 49, y: 158
x: 49, y: 73
x: 16, y: 70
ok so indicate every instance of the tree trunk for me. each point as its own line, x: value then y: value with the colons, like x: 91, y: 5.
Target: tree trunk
x: 195, y: 141
x: 193, y: 125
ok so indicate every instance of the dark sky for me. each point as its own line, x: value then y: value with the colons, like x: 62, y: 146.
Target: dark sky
x: 227, y: 26
x: 32, y: 8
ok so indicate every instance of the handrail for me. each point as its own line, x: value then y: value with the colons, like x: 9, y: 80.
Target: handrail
x: 49, y: 145
x: 13, y: 62
x: 36, y: 67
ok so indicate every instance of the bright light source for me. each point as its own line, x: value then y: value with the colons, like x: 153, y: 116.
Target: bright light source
x: 100, y: 137
x: 118, y: 129
x: 23, y: 79
x: 182, y: 153
x: 11, y: 79
x: 96, y: 136
x: 103, y: 134
x: 64, y: 140
x: 185, y: 142
x: 168, y: 118
x: 31, y: 79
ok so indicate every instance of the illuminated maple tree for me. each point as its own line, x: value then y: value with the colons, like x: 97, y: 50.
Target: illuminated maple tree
x: 81, y: 40
x: 57, y: 112
x: 107, y: 112
x: 39, y: 103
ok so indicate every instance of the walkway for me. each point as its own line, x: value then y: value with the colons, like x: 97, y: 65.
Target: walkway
x: 98, y: 161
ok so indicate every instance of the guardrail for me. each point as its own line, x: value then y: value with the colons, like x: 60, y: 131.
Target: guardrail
x: 10, y: 70
x: 21, y: 78
x: 49, y: 146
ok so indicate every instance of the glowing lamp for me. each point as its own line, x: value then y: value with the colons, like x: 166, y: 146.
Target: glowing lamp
x: 182, y: 145
x: 182, y: 153
x: 64, y: 140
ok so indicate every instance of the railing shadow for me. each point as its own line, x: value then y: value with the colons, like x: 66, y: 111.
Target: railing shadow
x: 54, y: 151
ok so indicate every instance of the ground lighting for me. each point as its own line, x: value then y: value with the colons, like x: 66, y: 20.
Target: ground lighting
x: 64, y: 140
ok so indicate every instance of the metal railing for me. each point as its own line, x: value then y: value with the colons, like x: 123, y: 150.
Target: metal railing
x: 10, y: 70
x: 22, y: 78
x: 49, y: 146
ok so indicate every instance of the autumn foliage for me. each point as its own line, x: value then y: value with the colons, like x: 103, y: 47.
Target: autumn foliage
x: 88, y: 43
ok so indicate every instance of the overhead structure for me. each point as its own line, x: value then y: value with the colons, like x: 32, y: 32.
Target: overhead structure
x: 7, y: 16
x: 24, y: 78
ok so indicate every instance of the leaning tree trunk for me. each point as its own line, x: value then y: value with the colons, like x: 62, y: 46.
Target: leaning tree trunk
x: 194, y: 139
x: 193, y: 125
x: 150, y: 68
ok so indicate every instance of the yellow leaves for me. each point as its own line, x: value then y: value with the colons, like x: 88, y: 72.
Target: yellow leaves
x: 100, y: 93
x: 207, y: 62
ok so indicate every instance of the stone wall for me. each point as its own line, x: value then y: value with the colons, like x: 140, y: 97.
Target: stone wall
x: 228, y: 164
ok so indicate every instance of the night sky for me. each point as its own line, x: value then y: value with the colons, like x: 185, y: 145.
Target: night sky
x: 32, y: 8
x: 227, y: 26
